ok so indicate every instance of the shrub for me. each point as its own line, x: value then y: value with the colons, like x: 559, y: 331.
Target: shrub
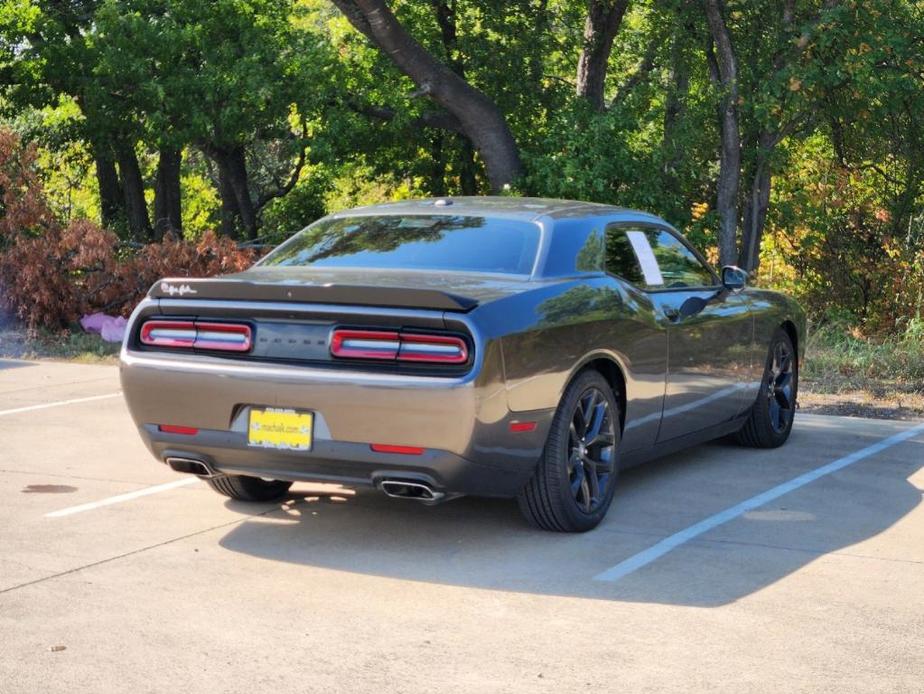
x: 51, y: 274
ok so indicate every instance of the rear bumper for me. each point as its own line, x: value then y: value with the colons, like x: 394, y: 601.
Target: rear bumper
x: 462, y: 423
x: 350, y: 464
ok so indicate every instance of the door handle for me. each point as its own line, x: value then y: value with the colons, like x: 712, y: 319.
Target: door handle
x: 672, y: 314
x: 688, y: 308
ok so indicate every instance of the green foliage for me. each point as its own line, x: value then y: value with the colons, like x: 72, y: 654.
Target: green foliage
x: 838, y: 88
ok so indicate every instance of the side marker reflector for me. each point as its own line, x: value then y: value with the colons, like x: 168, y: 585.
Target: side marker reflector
x: 176, y: 429
x: 402, y: 450
x: 518, y: 427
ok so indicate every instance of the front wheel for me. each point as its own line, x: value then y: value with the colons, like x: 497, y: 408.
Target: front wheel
x: 573, y: 485
x: 245, y: 488
x: 771, y: 417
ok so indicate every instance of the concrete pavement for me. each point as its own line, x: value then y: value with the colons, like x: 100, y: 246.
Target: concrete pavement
x: 820, y: 590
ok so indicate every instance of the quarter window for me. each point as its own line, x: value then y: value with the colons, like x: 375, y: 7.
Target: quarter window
x: 621, y: 259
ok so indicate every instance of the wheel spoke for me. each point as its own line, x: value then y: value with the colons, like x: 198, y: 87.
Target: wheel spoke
x: 596, y: 424
x: 605, y: 438
x: 782, y: 390
x: 581, y: 416
x: 786, y: 362
x: 578, y: 480
x: 781, y: 399
x: 605, y: 464
x: 775, y: 414
x: 586, y: 500
x: 593, y: 481
x: 784, y: 380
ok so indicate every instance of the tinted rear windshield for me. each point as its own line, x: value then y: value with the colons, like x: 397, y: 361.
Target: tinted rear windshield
x: 414, y: 242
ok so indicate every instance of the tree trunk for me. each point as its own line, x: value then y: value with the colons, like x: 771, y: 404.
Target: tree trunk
x: 677, y: 92
x: 600, y: 28
x: 136, y: 207
x: 481, y: 120
x: 230, y: 216
x: 726, y: 69
x: 167, y: 201
x: 446, y: 19
x: 755, y: 210
x: 111, y: 200
x: 234, y: 187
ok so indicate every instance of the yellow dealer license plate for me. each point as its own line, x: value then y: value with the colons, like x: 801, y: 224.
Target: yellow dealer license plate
x: 275, y: 428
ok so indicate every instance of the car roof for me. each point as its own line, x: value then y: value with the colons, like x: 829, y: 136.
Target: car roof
x: 526, y: 209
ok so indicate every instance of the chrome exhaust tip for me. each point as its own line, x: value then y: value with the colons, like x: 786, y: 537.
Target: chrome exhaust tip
x: 191, y: 466
x: 416, y: 491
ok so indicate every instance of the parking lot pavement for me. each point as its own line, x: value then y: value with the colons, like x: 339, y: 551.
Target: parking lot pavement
x: 119, y: 575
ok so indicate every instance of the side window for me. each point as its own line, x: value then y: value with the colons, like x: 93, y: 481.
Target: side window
x: 679, y: 266
x: 653, y: 258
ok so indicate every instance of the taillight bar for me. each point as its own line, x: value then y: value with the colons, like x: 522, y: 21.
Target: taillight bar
x: 222, y: 337
x: 392, y: 345
x: 365, y: 344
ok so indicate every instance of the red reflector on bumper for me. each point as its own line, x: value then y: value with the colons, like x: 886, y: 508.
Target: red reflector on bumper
x: 175, y: 429
x: 522, y: 426
x: 402, y: 450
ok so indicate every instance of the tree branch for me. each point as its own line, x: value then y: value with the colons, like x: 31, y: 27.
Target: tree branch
x: 284, y: 189
x: 440, y: 120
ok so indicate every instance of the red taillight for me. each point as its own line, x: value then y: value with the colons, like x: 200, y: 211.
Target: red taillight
x: 402, y: 450
x: 176, y: 429
x: 162, y: 333
x: 391, y: 345
x: 223, y: 337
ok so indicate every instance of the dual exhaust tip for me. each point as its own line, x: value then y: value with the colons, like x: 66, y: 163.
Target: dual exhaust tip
x: 191, y: 466
x: 416, y: 491
x: 397, y: 489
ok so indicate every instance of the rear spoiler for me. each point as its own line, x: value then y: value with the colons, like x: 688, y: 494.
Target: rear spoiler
x: 354, y: 295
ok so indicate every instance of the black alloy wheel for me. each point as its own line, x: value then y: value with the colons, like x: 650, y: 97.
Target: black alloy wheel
x: 771, y: 418
x: 591, y: 443
x: 575, y: 479
x: 780, y: 387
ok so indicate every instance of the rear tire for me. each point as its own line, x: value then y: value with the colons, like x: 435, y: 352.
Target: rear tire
x: 574, y: 482
x: 770, y: 421
x: 245, y: 488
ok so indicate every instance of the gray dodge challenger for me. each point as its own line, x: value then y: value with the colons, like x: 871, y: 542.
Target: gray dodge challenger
x: 502, y: 347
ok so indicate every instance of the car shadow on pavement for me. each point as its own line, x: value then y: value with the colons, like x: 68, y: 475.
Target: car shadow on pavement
x: 14, y: 363
x: 484, y: 543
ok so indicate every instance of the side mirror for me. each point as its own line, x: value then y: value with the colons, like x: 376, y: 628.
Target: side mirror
x: 734, y: 279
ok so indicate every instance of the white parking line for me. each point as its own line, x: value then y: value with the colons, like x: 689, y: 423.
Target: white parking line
x: 122, y: 497
x: 58, y: 403
x: 655, y: 552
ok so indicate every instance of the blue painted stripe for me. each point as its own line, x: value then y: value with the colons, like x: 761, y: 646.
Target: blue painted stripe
x: 655, y: 552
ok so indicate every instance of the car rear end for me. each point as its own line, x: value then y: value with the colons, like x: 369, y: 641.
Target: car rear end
x: 282, y: 377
